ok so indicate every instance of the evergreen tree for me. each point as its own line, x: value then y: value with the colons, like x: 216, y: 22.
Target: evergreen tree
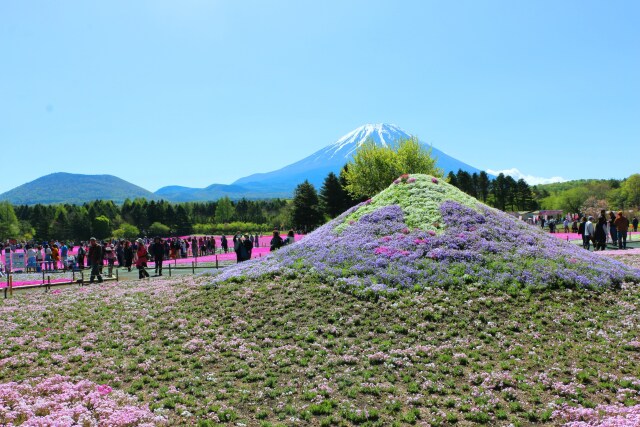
x: 333, y: 197
x: 242, y: 210
x: 40, y: 220
x: 101, y: 227
x: 182, y: 223
x: 80, y: 223
x: 224, y: 211
x: 483, y: 186
x: 511, y: 192
x: 452, y: 179
x: 306, y: 214
x: 524, y: 195
x: 475, y: 184
x: 61, y: 227
x: 499, y: 191
x: 464, y: 182
x: 255, y: 214
x: 349, y: 200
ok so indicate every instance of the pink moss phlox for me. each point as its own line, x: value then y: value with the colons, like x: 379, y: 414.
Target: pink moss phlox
x: 60, y: 401
x: 600, y: 416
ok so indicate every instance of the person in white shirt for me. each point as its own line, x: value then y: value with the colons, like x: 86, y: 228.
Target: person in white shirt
x: 589, y: 232
x: 31, y: 259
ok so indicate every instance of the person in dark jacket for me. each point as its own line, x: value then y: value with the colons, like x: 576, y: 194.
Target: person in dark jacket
x: 95, y: 259
x: 128, y: 255
x: 237, y: 248
x: 276, y: 241
x: 246, y: 246
x: 600, y: 234
x: 158, y: 254
x: 81, y: 255
x: 613, y: 230
x: 120, y: 253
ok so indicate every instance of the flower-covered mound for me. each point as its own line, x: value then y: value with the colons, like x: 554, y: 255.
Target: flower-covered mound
x: 422, y: 232
x: 59, y: 401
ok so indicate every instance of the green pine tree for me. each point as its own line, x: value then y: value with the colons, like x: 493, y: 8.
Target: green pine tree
x: 333, y: 197
x: 306, y: 214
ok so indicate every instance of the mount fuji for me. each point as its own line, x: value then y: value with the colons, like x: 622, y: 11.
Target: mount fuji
x: 314, y: 168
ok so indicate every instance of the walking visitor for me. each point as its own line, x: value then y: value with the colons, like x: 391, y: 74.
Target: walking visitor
x: 95, y: 260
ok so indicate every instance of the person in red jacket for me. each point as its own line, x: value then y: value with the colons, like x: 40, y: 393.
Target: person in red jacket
x: 142, y: 256
x: 622, y: 225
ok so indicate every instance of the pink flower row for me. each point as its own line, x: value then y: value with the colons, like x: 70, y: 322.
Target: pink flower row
x: 59, y: 401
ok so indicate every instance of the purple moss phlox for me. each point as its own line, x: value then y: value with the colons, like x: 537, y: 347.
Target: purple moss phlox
x: 488, y: 247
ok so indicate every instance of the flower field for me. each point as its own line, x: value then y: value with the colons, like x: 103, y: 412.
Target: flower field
x: 422, y: 232
x: 301, y: 352
x: 418, y: 307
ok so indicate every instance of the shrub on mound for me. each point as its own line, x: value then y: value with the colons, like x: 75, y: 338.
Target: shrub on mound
x: 422, y: 232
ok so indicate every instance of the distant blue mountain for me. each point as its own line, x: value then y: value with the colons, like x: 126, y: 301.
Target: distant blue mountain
x: 282, y: 182
x: 177, y: 193
x: 74, y: 188
x: 70, y: 188
x: 333, y: 157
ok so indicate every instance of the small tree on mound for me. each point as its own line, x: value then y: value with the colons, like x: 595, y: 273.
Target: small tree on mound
x: 374, y: 168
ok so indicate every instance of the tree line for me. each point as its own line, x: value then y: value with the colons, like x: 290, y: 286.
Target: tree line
x: 103, y: 218
x: 503, y: 192
x: 372, y: 169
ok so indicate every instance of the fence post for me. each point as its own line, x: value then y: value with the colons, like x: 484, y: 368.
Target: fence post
x: 10, y: 284
x: 216, y: 262
x: 43, y: 276
x: 169, y: 269
x: 82, y: 278
x: 48, y: 288
x: 193, y: 267
x: 117, y: 277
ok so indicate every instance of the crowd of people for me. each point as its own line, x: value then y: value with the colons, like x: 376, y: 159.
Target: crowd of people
x: 609, y: 228
x: 55, y: 256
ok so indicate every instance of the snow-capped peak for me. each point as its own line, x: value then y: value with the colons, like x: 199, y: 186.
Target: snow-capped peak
x: 381, y: 133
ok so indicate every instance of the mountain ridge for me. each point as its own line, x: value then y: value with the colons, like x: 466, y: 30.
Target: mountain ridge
x: 279, y: 183
x: 64, y: 187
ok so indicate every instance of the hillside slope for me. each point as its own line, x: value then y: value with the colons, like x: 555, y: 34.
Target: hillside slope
x: 71, y: 188
x: 423, y: 232
x: 300, y: 352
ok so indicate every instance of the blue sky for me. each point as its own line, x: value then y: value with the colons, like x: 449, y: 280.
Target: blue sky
x: 196, y: 92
